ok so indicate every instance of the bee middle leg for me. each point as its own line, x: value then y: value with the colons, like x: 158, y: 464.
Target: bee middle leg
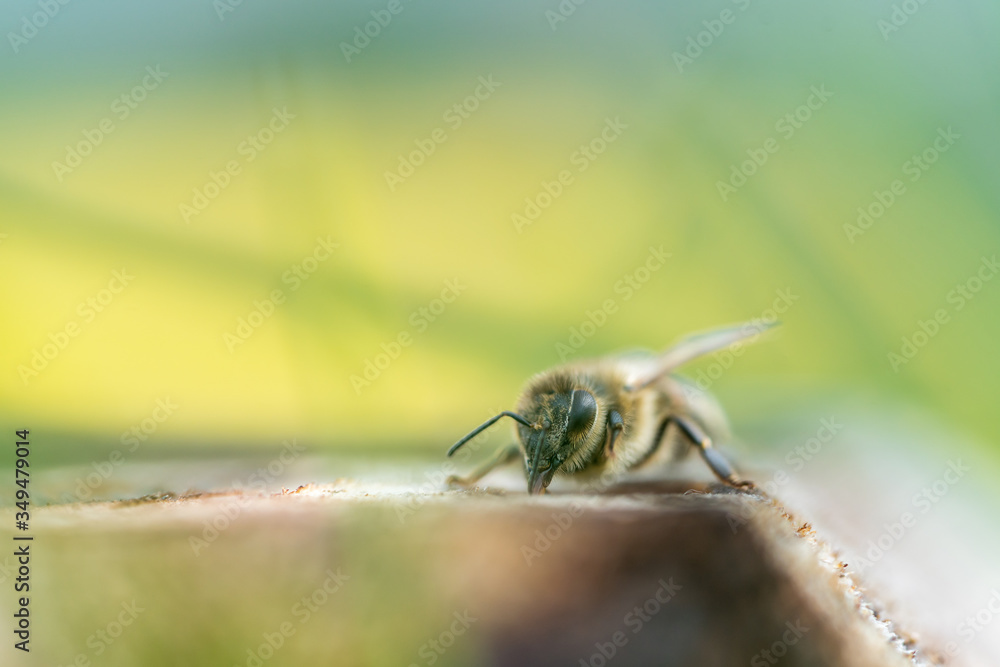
x: 502, y: 456
x: 713, y: 457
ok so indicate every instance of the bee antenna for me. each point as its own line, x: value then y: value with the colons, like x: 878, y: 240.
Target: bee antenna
x: 486, y: 425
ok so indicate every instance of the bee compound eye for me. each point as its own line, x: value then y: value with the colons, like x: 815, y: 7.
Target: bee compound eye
x: 582, y: 412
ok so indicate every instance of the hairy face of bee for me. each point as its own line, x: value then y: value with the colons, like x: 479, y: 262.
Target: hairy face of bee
x: 561, y: 423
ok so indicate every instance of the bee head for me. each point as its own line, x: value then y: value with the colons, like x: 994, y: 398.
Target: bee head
x: 558, y: 424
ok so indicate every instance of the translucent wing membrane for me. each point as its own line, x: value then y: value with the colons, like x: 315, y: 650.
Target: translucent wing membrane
x: 692, y: 347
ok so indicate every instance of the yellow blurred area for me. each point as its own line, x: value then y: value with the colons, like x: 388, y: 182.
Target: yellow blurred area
x: 202, y: 276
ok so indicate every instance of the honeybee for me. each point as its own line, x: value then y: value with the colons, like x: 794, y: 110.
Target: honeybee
x: 616, y: 414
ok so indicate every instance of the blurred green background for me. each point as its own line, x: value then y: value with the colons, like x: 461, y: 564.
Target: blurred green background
x: 80, y: 203
x: 168, y: 169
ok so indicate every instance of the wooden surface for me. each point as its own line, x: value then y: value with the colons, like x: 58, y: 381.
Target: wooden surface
x: 637, y: 575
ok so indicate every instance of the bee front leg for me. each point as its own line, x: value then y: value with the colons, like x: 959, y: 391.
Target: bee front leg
x: 615, y: 426
x: 713, y: 457
x: 502, y: 456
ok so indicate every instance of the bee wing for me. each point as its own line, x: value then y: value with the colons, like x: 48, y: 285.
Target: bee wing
x: 635, y: 365
x: 694, y: 346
